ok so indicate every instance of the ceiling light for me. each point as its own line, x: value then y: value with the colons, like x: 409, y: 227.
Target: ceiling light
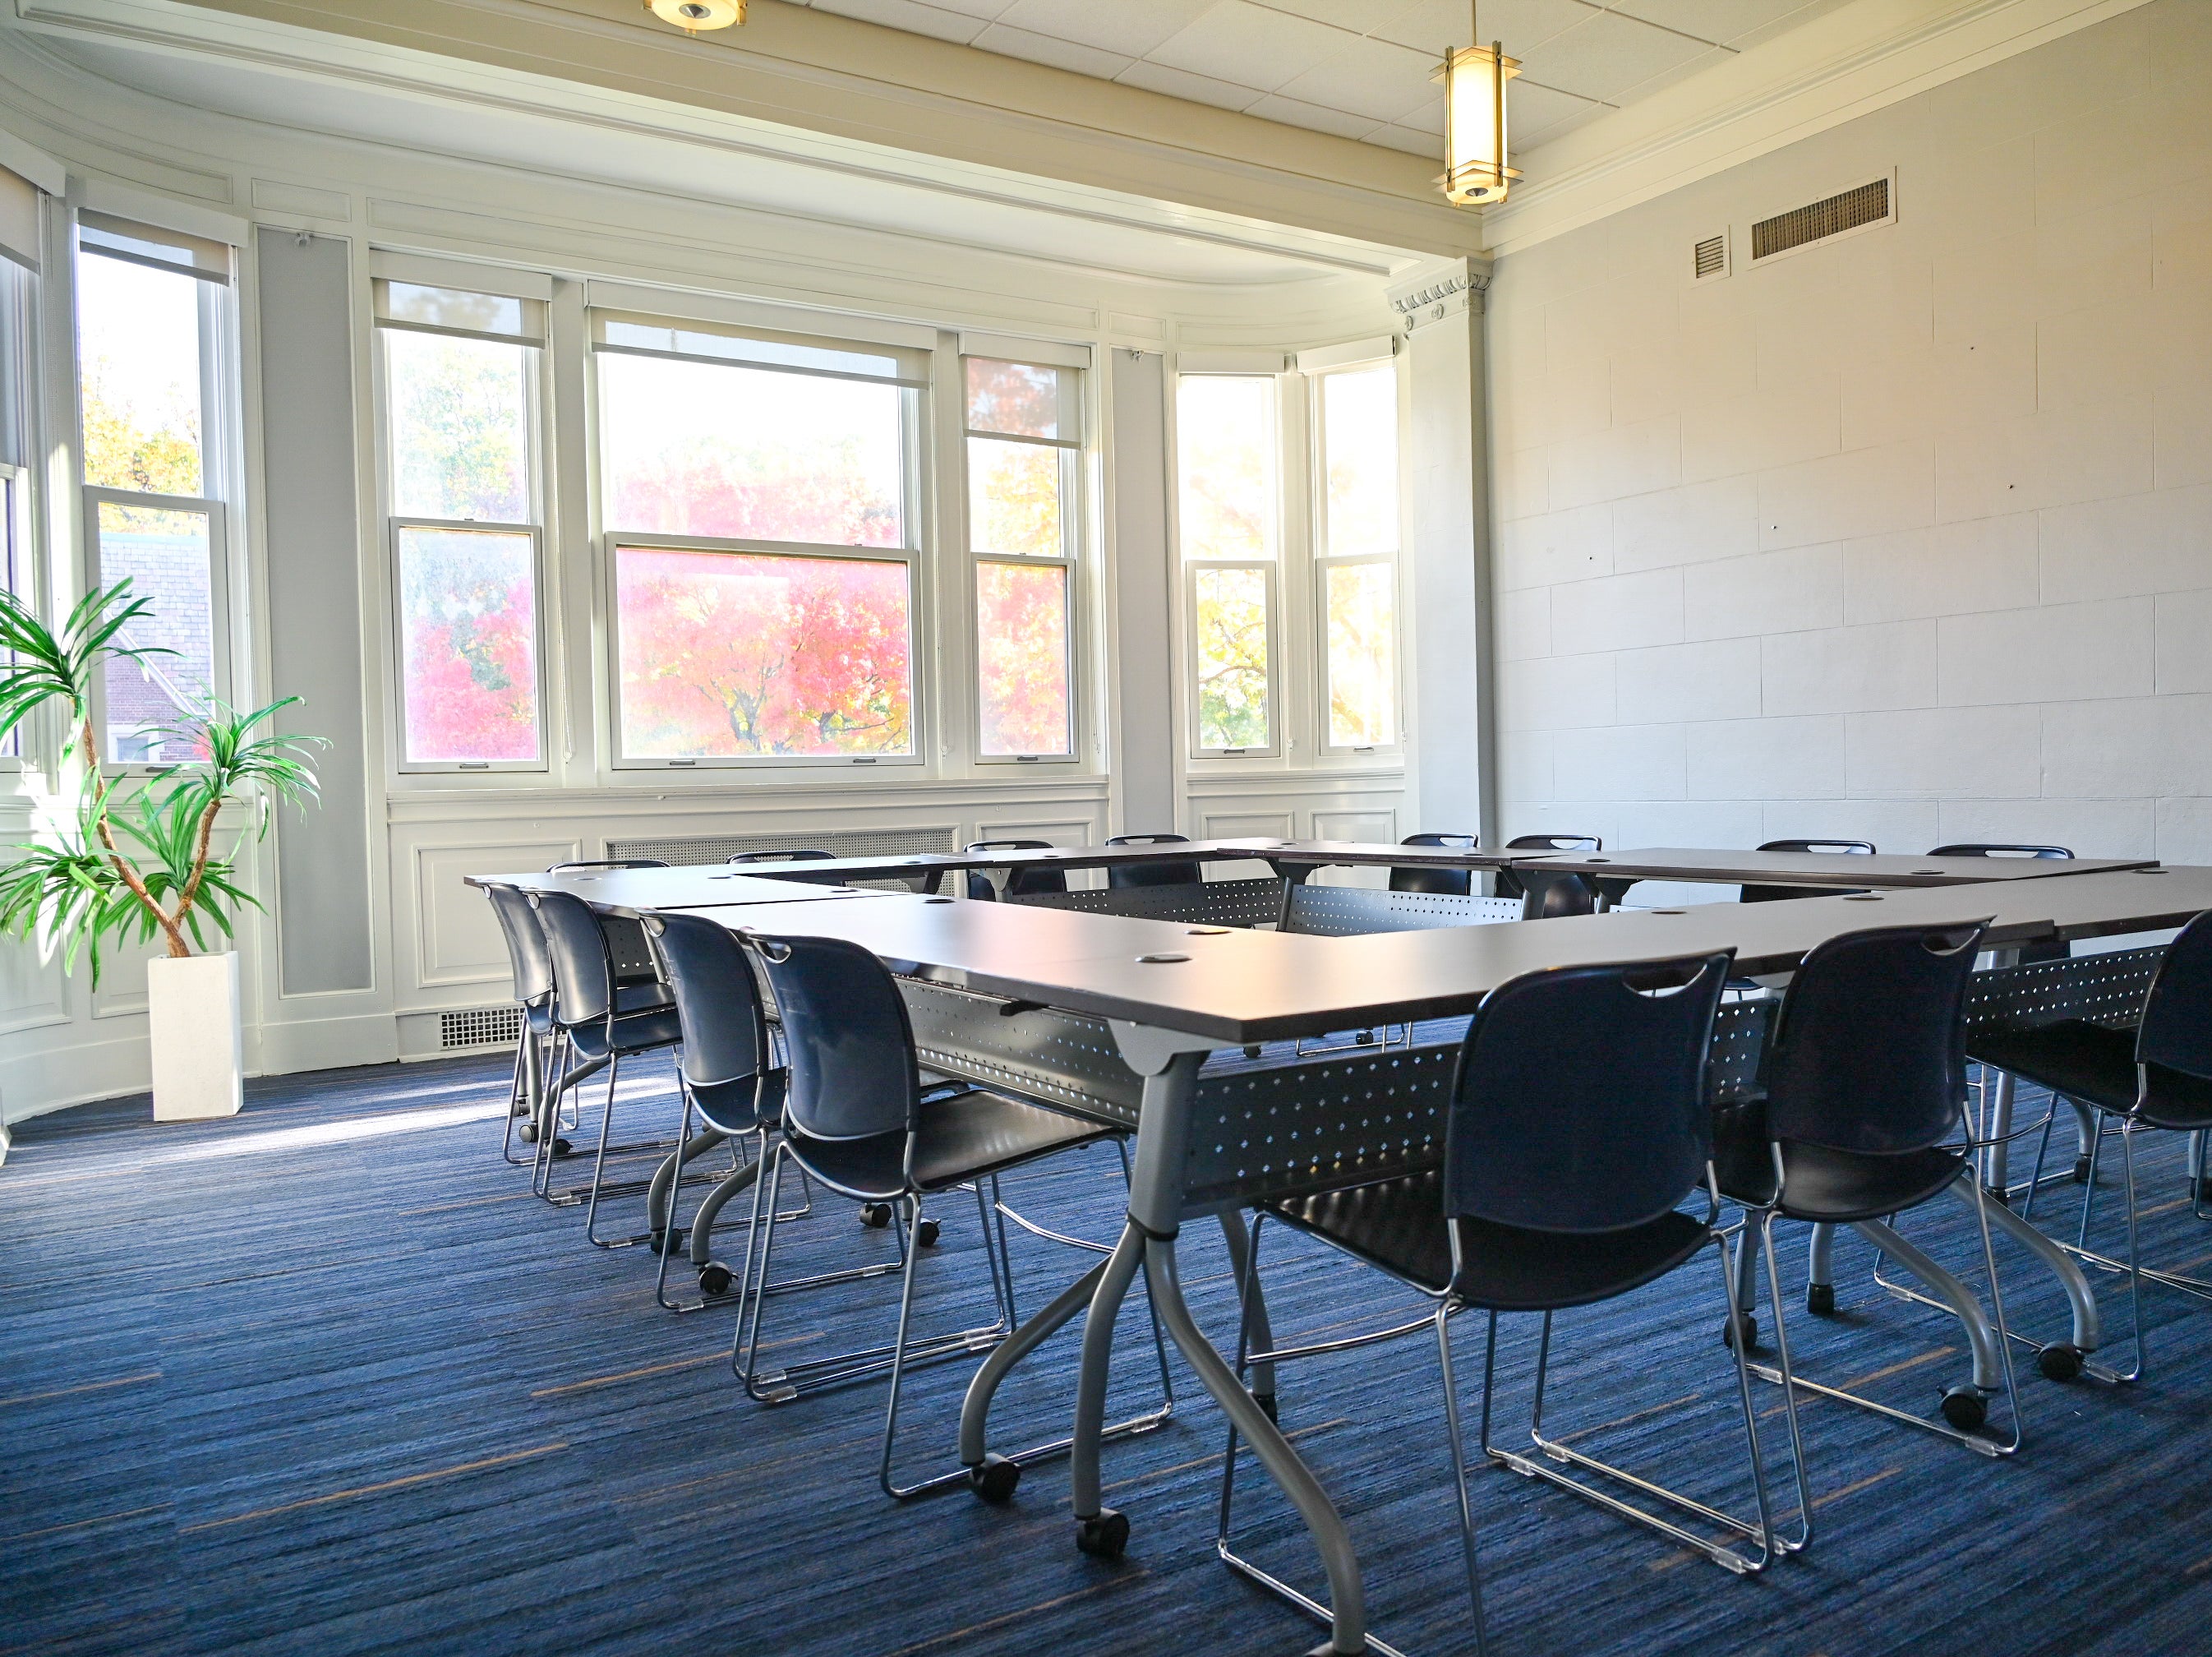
x: 692, y: 16
x: 1475, y: 80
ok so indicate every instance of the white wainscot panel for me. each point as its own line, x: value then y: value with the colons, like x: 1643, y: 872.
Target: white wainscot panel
x: 1372, y: 825
x: 1245, y: 824
x: 458, y: 939
x: 32, y: 992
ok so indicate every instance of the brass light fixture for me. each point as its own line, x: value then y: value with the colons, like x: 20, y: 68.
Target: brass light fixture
x: 1475, y: 80
x: 692, y: 16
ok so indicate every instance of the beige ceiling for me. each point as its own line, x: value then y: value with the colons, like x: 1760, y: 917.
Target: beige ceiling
x: 1358, y: 69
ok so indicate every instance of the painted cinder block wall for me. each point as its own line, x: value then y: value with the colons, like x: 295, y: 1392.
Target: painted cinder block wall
x: 1907, y: 537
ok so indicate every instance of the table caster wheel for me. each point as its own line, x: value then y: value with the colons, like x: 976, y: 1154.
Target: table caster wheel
x: 1744, y: 1326
x: 875, y: 1215
x: 2060, y: 1362
x: 527, y: 1133
x: 1104, y: 1535
x: 714, y: 1279
x: 521, y: 1107
x: 562, y: 1148
x: 1966, y: 1409
x: 2080, y: 1170
x: 668, y: 1241
x: 996, y: 1479
x: 1252, y: 1051
x: 925, y: 1234
x: 1820, y: 1300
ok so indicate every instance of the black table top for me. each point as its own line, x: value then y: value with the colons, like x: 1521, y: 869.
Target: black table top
x: 1237, y: 986
x: 1818, y: 868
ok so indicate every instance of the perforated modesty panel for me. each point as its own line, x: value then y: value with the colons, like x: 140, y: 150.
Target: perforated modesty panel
x: 1203, y: 903
x: 1055, y: 1058
x: 1344, y: 912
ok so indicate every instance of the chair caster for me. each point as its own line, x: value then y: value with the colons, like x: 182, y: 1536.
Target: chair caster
x: 1966, y: 1409
x: 1743, y: 1326
x: 527, y: 1133
x: 714, y: 1279
x: 995, y: 1479
x: 521, y: 1107
x: 875, y: 1215
x: 1820, y: 1300
x: 1104, y: 1535
x: 2060, y: 1362
x: 2080, y: 1170
x: 562, y: 1148
x: 1268, y: 1407
x: 925, y: 1234
x: 668, y: 1241
x: 1252, y: 1051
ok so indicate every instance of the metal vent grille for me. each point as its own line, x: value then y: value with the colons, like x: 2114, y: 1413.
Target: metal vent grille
x: 844, y: 843
x: 1709, y: 259
x: 481, y: 1027
x: 1868, y: 204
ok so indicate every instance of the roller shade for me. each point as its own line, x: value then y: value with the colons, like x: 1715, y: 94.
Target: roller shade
x: 19, y: 219
x: 162, y: 250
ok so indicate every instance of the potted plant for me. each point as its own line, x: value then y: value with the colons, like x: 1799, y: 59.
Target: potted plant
x: 128, y: 860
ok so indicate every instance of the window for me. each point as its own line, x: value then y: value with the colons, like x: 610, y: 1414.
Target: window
x: 17, y: 577
x: 759, y: 502
x: 1356, y: 566
x: 1023, y: 452
x: 460, y: 396
x: 151, y: 312
x: 1228, y: 489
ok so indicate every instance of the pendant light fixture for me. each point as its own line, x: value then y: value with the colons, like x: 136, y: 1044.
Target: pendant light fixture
x: 692, y: 16
x: 1475, y: 80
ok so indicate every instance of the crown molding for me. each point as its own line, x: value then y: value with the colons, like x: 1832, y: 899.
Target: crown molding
x: 1436, y: 291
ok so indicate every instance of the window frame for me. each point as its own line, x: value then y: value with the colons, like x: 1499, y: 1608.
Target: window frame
x: 20, y: 405
x: 1072, y: 517
x: 535, y: 495
x: 219, y: 669
x: 1324, y: 561
x: 914, y: 449
x: 1278, y: 705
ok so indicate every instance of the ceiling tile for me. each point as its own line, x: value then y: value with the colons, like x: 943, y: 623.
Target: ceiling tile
x: 1237, y: 41
x: 1725, y: 20
x: 1180, y: 83
x: 1131, y: 27
x: 1365, y: 77
x: 909, y: 15
x: 1605, y: 55
x: 1059, y: 54
x: 1418, y: 144
x: 1526, y: 138
x: 1429, y: 25
x: 1530, y: 109
x: 1289, y: 110
x: 1359, y: 16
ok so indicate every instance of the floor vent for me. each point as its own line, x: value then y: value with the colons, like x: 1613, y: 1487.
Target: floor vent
x: 1709, y: 259
x: 845, y: 842
x: 481, y: 1027
x: 1853, y: 210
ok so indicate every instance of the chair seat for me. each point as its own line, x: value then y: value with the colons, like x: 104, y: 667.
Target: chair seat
x: 741, y: 1105
x: 652, y: 1025
x: 970, y: 1135
x: 2080, y: 1060
x: 1399, y: 1225
x: 1821, y: 1182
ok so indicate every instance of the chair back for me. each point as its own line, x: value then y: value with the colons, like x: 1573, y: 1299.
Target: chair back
x: 1121, y: 876
x: 2177, y: 1022
x: 1021, y: 882
x: 1545, y: 897
x: 793, y: 854
x: 583, y: 969
x: 1868, y: 1052
x: 1456, y: 882
x: 1768, y: 894
x: 1579, y: 1103
x: 526, y: 944
x: 1512, y: 884
x: 1982, y: 848
x: 847, y: 1044
x: 608, y: 863
x: 718, y: 1000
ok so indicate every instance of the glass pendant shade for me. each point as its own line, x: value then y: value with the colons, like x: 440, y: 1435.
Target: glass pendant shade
x: 1475, y: 80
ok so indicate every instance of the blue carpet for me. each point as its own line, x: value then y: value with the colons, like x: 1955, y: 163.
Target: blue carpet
x: 327, y: 1380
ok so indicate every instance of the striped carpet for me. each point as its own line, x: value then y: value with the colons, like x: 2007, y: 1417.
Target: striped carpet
x: 325, y: 1378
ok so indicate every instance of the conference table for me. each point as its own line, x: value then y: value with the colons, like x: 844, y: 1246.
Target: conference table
x: 1113, y: 1016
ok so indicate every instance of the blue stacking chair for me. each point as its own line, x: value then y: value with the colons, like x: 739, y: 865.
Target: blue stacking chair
x: 597, y: 1021
x: 1022, y: 881
x: 858, y: 1121
x: 791, y: 855
x: 1457, y: 882
x: 532, y: 968
x: 1768, y: 894
x: 1121, y: 876
x: 1546, y: 895
x: 1578, y: 1128
x: 2158, y: 1075
x: 1864, y: 1116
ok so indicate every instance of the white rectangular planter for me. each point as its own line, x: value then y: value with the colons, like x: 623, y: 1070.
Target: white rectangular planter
x: 192, y: 1024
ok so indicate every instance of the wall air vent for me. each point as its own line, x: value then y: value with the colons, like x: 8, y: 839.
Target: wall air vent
x: 1709, y: 259
x: 844, y: 843
x: 481, y: 1027
x: 1852, y: 210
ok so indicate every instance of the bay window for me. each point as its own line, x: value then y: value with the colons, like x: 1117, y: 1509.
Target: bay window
x: 153, y: 318
x: 1227, y: 490
x: 1356, y: 555
x: 759, y: 502
x: 460, y: 399
x: 1023, y: 456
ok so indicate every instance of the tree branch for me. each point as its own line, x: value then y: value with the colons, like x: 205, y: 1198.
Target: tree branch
x: 173, y: 934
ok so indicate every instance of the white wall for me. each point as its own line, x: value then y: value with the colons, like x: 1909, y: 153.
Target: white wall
x: 1907, y: 537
